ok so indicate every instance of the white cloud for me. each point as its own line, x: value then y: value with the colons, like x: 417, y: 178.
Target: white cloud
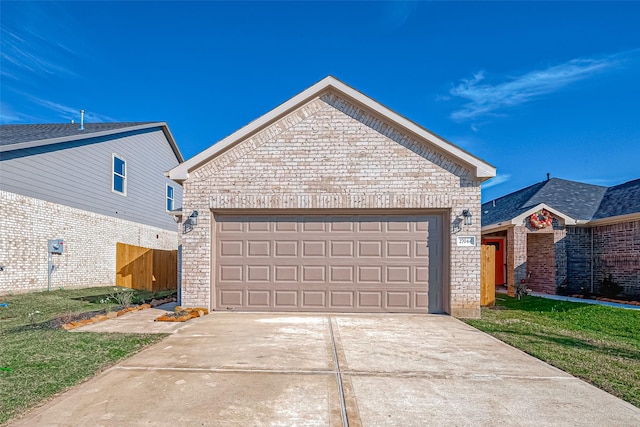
x: 489, y: 99
x: 9, y: 115
x: 68, y: 113
x: 499, y: 179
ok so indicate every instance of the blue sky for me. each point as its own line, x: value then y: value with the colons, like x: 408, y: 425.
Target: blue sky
x: 530, y: 87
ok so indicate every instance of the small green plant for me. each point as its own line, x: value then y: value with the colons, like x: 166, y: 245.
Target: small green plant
x: 609, y: 288
x: 121, y: 296
x: 563, y: 288
x: 34, y: 317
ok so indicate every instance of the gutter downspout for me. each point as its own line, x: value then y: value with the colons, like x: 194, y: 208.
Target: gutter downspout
x: 592, y: 258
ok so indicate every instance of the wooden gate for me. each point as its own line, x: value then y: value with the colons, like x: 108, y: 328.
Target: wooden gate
x: 487, y: 275
x: 146, y: 269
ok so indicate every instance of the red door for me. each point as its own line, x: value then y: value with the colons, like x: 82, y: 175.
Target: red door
x: 499, y: 245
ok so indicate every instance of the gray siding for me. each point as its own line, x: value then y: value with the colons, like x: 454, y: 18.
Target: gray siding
x: 78, y: 174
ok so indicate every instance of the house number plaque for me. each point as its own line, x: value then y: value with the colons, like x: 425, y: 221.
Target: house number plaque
x: 466, y: 241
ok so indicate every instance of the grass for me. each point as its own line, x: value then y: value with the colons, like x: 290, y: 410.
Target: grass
x: 596, y: 343
x: 38, y: 360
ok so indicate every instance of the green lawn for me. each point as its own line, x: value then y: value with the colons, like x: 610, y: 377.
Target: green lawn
x: 38, y: 359
x: 596, y: 343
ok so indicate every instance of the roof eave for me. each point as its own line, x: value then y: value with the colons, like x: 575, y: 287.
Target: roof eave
x: 51, y: 141
x: 518, y: 220
x: 615, y: 219
x: 481, y: 169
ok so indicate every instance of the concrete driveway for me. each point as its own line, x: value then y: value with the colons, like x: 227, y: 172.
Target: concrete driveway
x: 239, y: 369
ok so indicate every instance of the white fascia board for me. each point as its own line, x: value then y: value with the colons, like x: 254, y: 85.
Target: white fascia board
x: 496, y: 227
x: 481, y: 169
x: 566, y: 218
x: 50, y: 141
x: 615, y: 219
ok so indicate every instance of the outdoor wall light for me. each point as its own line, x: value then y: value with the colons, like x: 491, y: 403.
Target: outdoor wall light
x: 467, y: 217
x: 194, y: 217
x: 190, y: 222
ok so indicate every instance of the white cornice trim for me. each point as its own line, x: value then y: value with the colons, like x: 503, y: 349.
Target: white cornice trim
x: 518, y: 220
x: 615, y: 219
x: 482, y: 170
x: 90, y: 135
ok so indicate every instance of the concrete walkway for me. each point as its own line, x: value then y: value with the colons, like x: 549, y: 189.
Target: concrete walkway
x: 586, y: 301
x: 240, y: 369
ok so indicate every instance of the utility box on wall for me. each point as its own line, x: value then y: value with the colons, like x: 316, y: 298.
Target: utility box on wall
x: 55, y: 246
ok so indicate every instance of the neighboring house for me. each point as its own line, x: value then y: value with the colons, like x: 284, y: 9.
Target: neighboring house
x: 90, y: 187
x: 594, y: 231
x: 332, y: 202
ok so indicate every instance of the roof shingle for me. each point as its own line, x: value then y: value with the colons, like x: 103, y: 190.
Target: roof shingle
x: 16, y: 134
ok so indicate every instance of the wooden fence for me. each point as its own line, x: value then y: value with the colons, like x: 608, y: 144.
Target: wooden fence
x: 146, y: 269
x: 487, y: 275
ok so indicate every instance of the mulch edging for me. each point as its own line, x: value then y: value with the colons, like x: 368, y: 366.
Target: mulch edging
x: 181, y: 314
x: 113, y: 314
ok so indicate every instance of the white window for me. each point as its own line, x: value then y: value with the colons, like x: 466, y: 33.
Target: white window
x: 169, y: 198
x: 119, y: 175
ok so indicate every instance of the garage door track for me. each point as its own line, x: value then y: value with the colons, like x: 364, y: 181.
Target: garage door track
x: 241, y: 369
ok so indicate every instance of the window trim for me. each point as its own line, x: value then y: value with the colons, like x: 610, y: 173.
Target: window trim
x: 172, y: 198
x: 115, y: 156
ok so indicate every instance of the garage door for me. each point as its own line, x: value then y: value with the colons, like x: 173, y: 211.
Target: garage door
x: 328, y: 263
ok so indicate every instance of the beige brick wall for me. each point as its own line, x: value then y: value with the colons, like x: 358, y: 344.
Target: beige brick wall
x: 89, y: 257
x: 330, y: 154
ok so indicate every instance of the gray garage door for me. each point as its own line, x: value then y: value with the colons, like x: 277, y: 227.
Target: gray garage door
x: 328, y: 263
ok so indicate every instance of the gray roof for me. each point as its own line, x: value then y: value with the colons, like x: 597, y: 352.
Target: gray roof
x: 622, y: 199
x: 577, y: 200
x: 16, y: 134
x: 17, y: 137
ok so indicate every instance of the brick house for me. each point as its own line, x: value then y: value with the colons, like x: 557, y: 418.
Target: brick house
x: 593, y: 232
x: 91, y: 186
x: 332, y: 202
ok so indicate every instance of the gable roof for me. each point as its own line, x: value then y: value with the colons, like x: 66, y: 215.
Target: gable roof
x: 482, y: 169
x: 623, y: 199
x: 576, y: 202
x: 20, y: 136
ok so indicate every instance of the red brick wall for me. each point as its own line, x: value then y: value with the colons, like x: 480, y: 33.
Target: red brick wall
x: 616, y: 250
x: 541, y: 263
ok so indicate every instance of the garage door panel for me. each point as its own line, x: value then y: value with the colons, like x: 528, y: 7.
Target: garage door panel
x: 311, y: 225
x: 341, y: 249
x: 314, y: 299
x: 286, y: 226
x: 422, y: 300
x: 258, y: 298
x: 228, y: 226
x: 286, y: 248
x: 286, y: 299
x: 371, y: 248
x: 399, y: 299
x: 286, y: 273
x: 400, y: 249
x: 314, y: 248
x: 231, y: 298
x: 369, y: 226
x: 230, y: 248
x: 253, y: 227
x: 313, y: 273
x: 258, y: 248
x: 341, y: 299
x: 370, y: 300
x: 230, y: 273
x: 258, y: 273
x: 421, y: 275
x: 341, y: 274
x: 370, y: 274
x: 399, y: 274
x: 338, y: 226
x: 327, y: 263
